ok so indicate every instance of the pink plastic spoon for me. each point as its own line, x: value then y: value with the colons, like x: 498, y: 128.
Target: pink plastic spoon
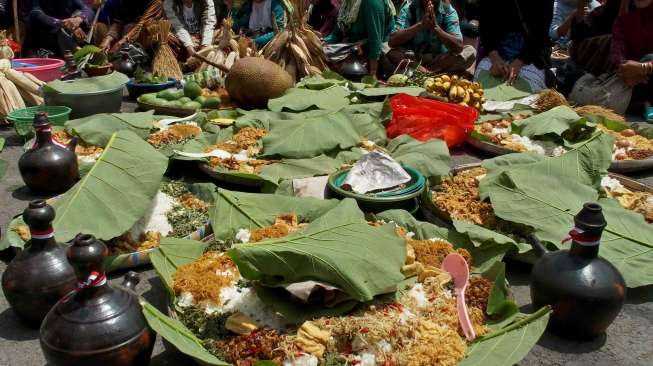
x: 457, y: 267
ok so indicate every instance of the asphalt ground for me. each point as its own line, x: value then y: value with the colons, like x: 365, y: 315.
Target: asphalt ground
x: 629, y: 341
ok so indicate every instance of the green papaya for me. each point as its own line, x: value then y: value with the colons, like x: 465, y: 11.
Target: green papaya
x: 192, y: 90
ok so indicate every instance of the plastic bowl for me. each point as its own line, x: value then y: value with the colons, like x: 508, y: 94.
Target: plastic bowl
x: 45, y: 69
x: 88, y: 104
x: 23, y: 118
x: 376, y: 202
x: 137, y: 89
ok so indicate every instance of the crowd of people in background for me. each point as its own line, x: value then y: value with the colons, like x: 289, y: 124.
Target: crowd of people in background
x: 510, y: 39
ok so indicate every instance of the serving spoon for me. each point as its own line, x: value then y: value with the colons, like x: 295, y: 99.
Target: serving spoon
x: 457, y: 267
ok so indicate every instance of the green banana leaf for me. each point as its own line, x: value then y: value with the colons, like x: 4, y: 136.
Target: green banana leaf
x: 288, y: 169
x: 497, y: 89
x: 509, y: 345
x: 486, y: 246
x: 177, y: 334
x: 587, y: 162
x: 115, y: 193
x: 298, y: 99
x: 554, y: 121
x: 547, y: 203
x: 339, y: 248
x: 237, y: 210
x: 431, y: 157
x: 98, y: 129
x: 327, y: 133
x: 388, y: 91
x: 87, y: 85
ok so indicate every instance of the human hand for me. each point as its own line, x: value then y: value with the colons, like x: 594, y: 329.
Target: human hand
x: 105, y: 46
x: 79, y: 35
x: 191, y: 51
x: 71, y: 24
x: 632, y: 73
x: 499, y: 68
x: 514, y: 69
x: 428, y: 20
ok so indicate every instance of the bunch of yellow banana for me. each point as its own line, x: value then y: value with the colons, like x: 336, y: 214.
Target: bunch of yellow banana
x: 456, y: 90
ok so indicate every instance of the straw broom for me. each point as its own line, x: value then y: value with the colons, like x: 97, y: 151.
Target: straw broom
x: 165, y: 62
x: 153, y: 14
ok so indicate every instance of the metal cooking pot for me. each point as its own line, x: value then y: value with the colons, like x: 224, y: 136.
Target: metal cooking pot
x: 87, y: 104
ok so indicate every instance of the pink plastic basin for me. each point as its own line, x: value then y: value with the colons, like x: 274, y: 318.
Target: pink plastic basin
x: 45, y: 69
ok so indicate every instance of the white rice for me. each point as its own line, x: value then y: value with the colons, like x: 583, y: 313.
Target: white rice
x: 155, y: 218
x: 419, y: 295
x: 243, y: 236
x: 497, y: 130
x: 559, y: 151
x: 245, y: 300
x: 185, y: 299
x: 529, y: 144
x: 610, y: 183
x: 303, y: 360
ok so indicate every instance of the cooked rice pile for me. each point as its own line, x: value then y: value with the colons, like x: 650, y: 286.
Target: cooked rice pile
x: 173, y: 135
x: 82, y: 148
x: 491, y: 130
x: 246, y: 139
x: 458, y: 197
x: 205, y: 277
x: 283, y: 225
x: 125, y: 244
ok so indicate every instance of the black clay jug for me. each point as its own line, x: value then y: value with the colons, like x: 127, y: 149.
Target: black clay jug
x: 48, y: 168
x: 124, y: 64
x: 585, y: 291
x: 98, y: 324
x: 40, y: 275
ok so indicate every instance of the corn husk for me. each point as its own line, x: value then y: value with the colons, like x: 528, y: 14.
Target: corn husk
x: 165, y: 62
x: 10, y: 99
x: 5, y: 51
x: 297, y: 47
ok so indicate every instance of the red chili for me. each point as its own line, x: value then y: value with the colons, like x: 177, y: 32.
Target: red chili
x: 365, y: 330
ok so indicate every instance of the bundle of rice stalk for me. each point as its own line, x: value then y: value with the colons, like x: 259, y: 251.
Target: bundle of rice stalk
x: 153, y: 14
x: 549, y: 99
x: 296, y: 48
x: 597, y: 110
x: 165, y: 62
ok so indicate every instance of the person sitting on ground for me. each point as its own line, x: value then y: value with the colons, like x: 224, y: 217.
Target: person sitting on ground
x: 564, y: 13
x: 369, y: 20
x: 122, y: 16
x: 192, y: 21
x: 515, y: 37
x: 323, y: 15
x: 591, y: 37
x: 632, y: 50
x: 430, y: 29
x: 58, y: 25
x: 258, y: 20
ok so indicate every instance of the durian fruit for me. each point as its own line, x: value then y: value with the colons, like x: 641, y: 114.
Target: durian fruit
x: 456, y: 90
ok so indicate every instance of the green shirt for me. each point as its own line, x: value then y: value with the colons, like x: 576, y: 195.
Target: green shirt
x: 427, y: 42
x: 375, y: 22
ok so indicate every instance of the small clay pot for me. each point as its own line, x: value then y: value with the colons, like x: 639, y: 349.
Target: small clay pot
x: 97, y: 325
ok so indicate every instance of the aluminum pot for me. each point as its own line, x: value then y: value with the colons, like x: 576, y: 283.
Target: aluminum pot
x: 87, y: 104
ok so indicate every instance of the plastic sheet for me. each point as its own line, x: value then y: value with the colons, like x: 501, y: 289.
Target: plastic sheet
x: 426, y: 119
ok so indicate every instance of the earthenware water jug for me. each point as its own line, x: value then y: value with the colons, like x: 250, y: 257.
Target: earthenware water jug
x: 40, y: 274
x: 48, y: 167
x: 98, y: 325
x: 585, y: 291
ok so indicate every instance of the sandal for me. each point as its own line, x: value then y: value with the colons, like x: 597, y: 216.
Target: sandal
x: 648, y: 114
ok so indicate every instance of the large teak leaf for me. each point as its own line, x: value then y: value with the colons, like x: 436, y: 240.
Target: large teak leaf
x: 115, y: 193
x: 339, y: 248
x: 296, y: 99
x: 98, y: 129
x: 238, y: 210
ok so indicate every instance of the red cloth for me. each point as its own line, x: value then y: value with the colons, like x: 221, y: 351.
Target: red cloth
x: 632, y: 35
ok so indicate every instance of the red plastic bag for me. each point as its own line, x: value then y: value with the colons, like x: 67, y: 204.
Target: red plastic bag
x: 425, y: 119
